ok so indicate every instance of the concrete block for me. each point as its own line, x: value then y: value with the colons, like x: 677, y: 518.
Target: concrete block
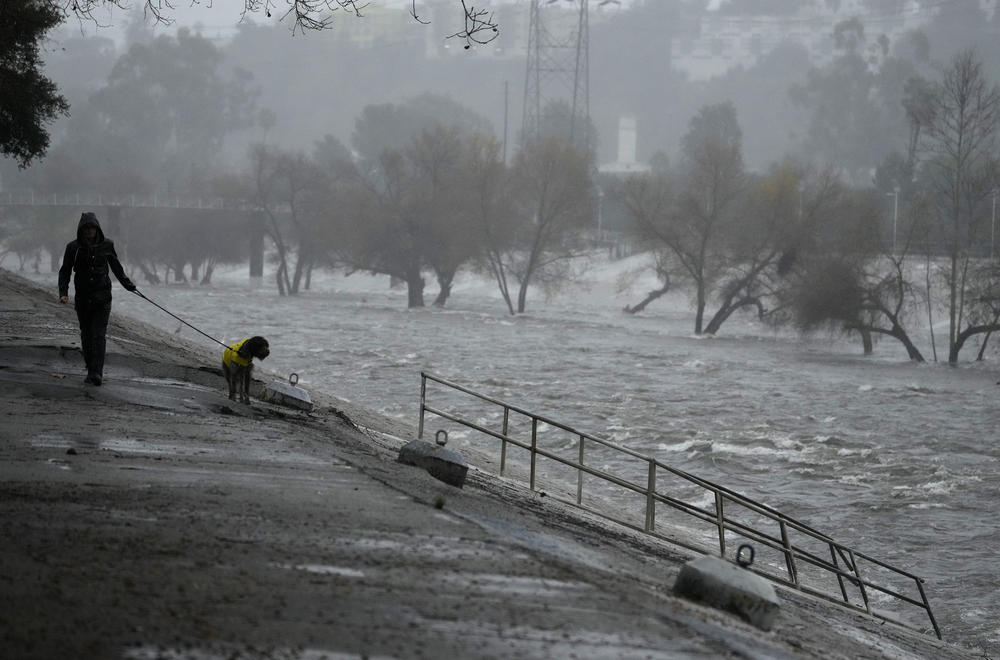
x: 285, y: 394
x: 442, y: 464
x: 726, y: 586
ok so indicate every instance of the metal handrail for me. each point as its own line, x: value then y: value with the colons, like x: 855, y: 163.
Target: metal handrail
x: 31, y: 198
x: 843, y: 562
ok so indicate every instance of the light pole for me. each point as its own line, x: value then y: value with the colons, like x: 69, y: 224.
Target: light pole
x: 895, y: 214
x: 993, y: 223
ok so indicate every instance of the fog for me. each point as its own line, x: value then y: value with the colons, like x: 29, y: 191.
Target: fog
x: 657, y: 61
x: 218, y: 141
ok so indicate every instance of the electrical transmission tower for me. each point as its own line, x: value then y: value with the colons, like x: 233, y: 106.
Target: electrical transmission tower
x: 557, y: 81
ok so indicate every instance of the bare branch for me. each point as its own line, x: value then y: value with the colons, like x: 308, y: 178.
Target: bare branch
x: 479, y: 26
x: 306, y: 14
x: 413, y: 13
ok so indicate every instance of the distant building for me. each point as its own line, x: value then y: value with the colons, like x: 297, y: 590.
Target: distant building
x: 628, y: 133
x: 726, y: 40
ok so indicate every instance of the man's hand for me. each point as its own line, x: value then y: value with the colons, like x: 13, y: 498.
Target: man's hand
x: 64, y: 299
x: 129, y: 286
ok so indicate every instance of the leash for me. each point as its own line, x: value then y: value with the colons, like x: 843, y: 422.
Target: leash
x: 136, y: 292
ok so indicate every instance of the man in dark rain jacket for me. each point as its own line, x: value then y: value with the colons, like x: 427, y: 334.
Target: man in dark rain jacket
x: 91, y: 256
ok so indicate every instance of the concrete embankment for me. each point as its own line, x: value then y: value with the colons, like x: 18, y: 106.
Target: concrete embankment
x: 152, y: 517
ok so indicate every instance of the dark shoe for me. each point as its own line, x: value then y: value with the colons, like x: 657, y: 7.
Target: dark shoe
x: 89, y: 380
x: 96, y: 379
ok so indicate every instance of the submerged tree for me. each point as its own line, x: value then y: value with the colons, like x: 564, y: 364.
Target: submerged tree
x: 960, y: 125
x: 553, y: 196
x: 486, y: 184
x: 695, y: 217
x: 291, y: 190
x: 850, y: 280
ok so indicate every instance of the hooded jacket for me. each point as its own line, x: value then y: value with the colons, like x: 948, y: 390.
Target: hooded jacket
x: 91, y: 263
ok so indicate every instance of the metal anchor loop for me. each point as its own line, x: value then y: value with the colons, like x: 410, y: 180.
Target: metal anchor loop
x: 742, y: 561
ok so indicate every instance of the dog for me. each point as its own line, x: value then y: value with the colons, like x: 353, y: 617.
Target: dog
x: 237, y: 365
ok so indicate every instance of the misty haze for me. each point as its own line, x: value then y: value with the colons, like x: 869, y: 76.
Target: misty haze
x: 754, y: 239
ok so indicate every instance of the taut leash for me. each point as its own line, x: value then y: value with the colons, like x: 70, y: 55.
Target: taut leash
x: 136, y: 292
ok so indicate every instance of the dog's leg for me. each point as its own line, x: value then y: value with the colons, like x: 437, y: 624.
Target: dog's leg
x: 230, y: 381
x: 246, y: 383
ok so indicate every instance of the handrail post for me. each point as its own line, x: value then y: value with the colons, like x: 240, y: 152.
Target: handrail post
x: 789, y: 557
x: 861, y: 583
x: 927, y: 606
x: 651, y: 497
x: 503, y: 443
x: 840, y: 578
x: 720, y: 519
x: 423, y: 401
x: 579, y: 475
x: 534, y: 447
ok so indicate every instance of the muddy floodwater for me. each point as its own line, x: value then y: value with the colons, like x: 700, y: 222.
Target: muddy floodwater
x: 896, y: 459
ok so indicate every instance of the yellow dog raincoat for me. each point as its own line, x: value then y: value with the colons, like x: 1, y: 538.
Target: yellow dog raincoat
x: 231, y: 355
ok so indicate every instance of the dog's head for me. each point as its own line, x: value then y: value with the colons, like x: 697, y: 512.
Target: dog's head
x: 256, y: 347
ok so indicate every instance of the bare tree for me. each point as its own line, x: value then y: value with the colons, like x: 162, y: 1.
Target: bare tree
x: 478, y: 24
x: 695, y: 218
x: 487, y: 186
x: 436, y: 159
x: 292, y: 185
x: 552, y: 189
x: 960, y: 127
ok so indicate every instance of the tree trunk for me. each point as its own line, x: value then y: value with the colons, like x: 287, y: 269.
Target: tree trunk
x: 986, y: 339
x: 444, y: 278
x: 650, y: 297
x: 867, y: 345
x: 500, y: 274
x: 179, y: 273
x: 149, y: 274
x: 297, y: 275
x: 522, y: 297
x: 414, y: 288
x: 699, y: 316
x: 971, y: 331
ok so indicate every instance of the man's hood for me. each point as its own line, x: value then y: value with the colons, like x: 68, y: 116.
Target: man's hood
x: 89, y: 219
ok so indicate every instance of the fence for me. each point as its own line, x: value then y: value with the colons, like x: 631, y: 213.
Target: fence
x: 795, y: 555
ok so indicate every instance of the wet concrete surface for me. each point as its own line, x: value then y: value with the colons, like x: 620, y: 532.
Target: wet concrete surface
x: 151, y: 517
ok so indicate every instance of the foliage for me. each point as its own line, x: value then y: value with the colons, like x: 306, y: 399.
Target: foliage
x: 29, y: 100
x: 388, y: 125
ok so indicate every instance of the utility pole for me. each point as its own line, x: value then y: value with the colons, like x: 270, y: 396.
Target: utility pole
x: 895, y: 214
x: 558, y: 69
x: 506, y: 107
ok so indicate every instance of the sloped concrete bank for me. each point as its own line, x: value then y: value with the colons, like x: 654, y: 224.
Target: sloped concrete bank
x: 151, y: 517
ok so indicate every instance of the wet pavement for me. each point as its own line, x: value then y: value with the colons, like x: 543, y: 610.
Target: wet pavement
x: 151, y: 517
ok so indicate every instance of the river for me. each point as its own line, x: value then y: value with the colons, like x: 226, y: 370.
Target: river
x: 896, y: 459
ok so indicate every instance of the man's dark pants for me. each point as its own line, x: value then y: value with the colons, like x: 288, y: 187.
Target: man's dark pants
x: 93, y: 313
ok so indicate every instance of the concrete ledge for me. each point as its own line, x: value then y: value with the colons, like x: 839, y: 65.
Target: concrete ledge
x: 726, y: 586
x: 443, y: 464
x: 284, y: 394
